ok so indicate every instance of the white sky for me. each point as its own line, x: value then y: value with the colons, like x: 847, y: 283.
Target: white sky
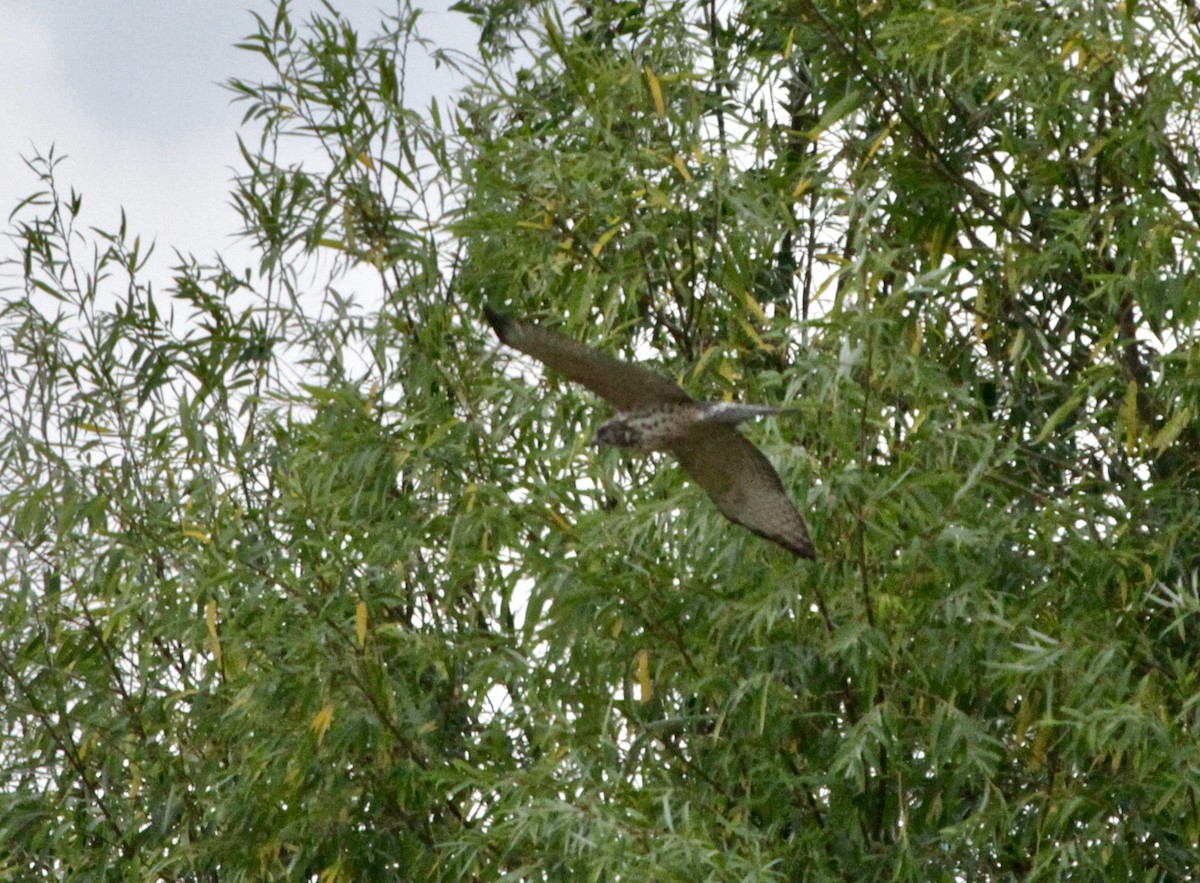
x: 130, y: 92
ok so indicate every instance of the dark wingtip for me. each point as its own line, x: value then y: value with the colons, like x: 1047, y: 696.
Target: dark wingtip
x: 500, y: 323
x: 808, y: 551
x: 801, y: 546
x: 801, y: 549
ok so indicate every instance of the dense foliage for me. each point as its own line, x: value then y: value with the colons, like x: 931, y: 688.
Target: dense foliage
x: 304, y: 577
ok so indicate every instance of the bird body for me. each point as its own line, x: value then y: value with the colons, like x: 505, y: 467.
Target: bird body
x: 654, y: 414
x: 661, y: 426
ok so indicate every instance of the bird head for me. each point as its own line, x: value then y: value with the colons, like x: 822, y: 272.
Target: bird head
x: 617, y: 433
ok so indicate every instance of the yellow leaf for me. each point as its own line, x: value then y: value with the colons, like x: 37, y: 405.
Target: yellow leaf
x: 981, y: 331
x: 1129, y: 417
x: 755, y: 307
x: 333, y: 874
x: 321, y: 722
x: 559, y: 520
x: 799, y: 189
x: 938, y: 242
x: 195, y: 534
x: 645, y: 684
x: 1041, y: 741
x: 681, y: 167
x: 1018, y: 346
x: 660, y: 106
x: 918, y: 334
x: 1166, y: 436
x: 214, y: 639
x: 878, y: 142
x: 1024, y: 719
x: 360, y: 623
x: 1103, y: 343
x: 365, y: 159
x: 604, y: 239
x: 754, y: 335
x: 705, y: 358
x: 1060, y: 414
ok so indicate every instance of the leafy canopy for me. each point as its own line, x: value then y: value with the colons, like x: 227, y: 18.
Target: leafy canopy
x: 303, y: 577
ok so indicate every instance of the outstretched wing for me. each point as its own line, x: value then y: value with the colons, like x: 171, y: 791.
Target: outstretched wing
x: 734, y: 413
x: 626, y: 386
x: 744, y: 485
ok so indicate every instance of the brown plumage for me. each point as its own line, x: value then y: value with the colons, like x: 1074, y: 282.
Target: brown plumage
x: 653, y: 413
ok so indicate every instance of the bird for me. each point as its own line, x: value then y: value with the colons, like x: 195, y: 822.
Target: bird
x: 653, y: 413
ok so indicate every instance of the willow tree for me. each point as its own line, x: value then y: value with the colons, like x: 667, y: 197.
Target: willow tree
x: 305, y: 577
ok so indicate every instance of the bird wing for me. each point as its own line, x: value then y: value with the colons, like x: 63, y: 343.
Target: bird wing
x: 744, y: 485
x: 625, y: 385
x: 734, y: 413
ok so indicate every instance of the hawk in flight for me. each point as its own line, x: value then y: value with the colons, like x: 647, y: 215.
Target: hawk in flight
x: 654, y: 414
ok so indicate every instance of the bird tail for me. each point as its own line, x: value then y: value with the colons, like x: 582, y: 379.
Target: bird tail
x: 732, y: 413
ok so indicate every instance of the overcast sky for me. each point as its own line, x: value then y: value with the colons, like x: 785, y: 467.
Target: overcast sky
x: 130, y: 92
